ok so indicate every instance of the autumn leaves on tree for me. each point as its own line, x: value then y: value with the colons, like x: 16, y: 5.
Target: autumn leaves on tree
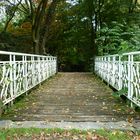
x: 73, y: 30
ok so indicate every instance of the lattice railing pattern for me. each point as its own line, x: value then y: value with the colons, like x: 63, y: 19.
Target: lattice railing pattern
x: 121, y: 72
x: 22, y: 72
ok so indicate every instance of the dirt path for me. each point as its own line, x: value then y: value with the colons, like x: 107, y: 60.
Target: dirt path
x: 72, y: 97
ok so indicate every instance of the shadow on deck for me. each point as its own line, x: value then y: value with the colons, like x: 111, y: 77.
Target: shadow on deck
x: 71, y: 97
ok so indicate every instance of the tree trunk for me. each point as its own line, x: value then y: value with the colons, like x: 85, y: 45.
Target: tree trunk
x: 36, y: 25
x: 48, y: 20
x: 93, y: 44
x: 7, y: 23
x: 91, y: 15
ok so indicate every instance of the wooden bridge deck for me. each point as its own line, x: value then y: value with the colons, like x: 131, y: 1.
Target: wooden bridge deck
x: 72, y: 97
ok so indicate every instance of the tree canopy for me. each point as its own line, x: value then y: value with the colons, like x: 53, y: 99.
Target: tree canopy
x: 75, y: 31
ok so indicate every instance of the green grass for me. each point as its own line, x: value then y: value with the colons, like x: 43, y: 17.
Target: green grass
x: 116, y: 135
x: 26, y: 133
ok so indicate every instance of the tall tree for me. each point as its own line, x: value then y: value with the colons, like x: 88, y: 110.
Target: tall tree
x: 47, y: 23
x: 37, y: 21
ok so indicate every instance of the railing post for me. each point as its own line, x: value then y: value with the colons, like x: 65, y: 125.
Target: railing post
x: 130, y: 76
x: 14, y: 72
x: 43, y: 69
x: 39, y: 70
x: 11, y: 77
x: 56, y: 65
x: 113, y: 70
x: 120, y: 73
x: 34, y: 61
x: 24, y: 58
x: 101, y: 67
x: 108, y: 69
x: 51, y: 65
x: 47, y: 66
x: 105, y: 68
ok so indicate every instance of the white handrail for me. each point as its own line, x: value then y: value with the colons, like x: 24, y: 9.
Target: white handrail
x: 20, y: 54
x: 121, y: 71
x: 21, y: 72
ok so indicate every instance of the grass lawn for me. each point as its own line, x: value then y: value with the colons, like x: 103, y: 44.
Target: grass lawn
x: 61, y: 134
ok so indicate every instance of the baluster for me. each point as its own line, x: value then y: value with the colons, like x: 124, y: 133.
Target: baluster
x: 11, y: 78
x: 120, y: 73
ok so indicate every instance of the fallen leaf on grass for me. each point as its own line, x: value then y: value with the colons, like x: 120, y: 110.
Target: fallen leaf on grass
x: 114, y: 133
x: 137, y: 138
x: 8, y: 138
x: 130, y: 119
x: 91, y: 136
x: 75, y: 138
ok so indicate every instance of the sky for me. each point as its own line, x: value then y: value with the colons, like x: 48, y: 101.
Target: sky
x: 72, y: 1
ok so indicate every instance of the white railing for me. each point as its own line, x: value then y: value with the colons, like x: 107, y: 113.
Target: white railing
x: 20, y: 72
x: 121, y: 72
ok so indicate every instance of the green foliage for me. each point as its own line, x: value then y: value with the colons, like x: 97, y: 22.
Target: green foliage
x: 124, y: 47
x: 69, y: 38
x: 118, y: 38
x: 77, y: 31
x: 120, y: 92
x: 109, y: 38
x: 16, y: 43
